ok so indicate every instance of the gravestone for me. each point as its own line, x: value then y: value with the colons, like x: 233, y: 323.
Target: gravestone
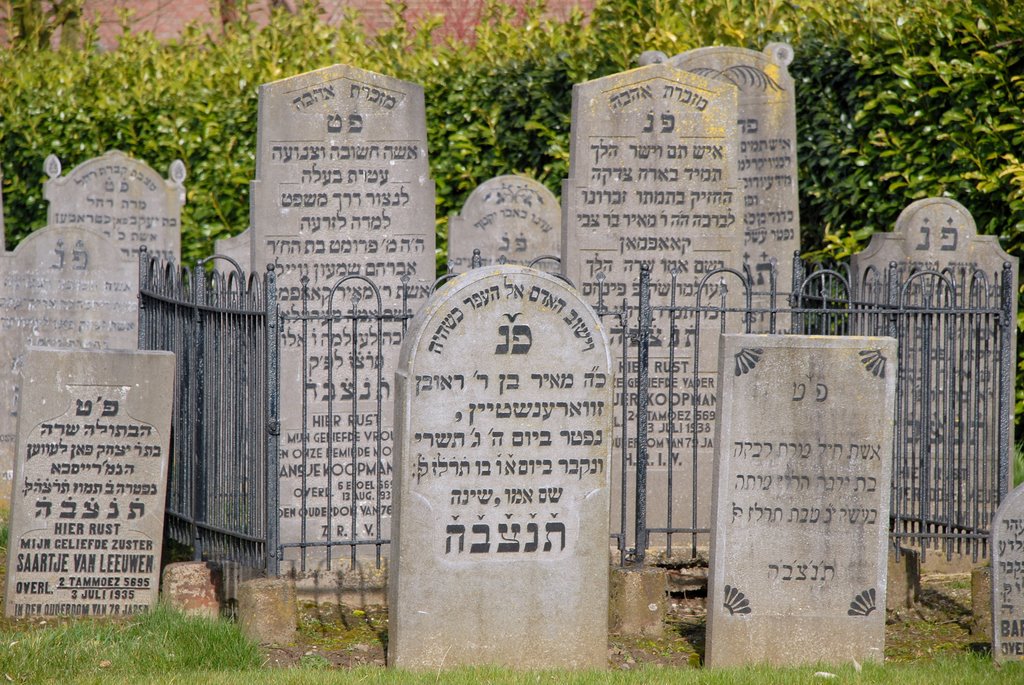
x: 767, y: 157
x: 510, y: 218
x: 801, y: 520
x: 1008, y: 579
x: 500, y: 551
x: 62, y: 287
x: 88, y: 511
x: 954, y: 363
x: 122, y: 198
x: 342, y: 189
x: 237, y: 247
x: 653, y: 182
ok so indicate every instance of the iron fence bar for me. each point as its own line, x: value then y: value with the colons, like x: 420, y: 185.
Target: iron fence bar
x: 643, y: 381
x: 304, y: 281
x: 273, y: 424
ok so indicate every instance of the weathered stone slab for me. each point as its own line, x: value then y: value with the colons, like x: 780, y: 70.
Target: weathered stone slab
x: 1008, y: 579
x: 801, y: 520
x: 237, y: 247
x: 342, y: 189
x: 88, y: 511
x: 60, y: 288
x: 122, y: 198
x: 511, y: 218
x: 500, y: 551
x: 953, y: 360
x: 767, y: 156
x: 653, y: 182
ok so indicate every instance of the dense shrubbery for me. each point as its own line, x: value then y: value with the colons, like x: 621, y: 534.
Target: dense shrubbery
x: 897, y: 100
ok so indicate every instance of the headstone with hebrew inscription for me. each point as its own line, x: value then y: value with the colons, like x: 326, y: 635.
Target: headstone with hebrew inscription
x: 1008, y: 579
x: 122, y: 198
x: 653, y: 183
x: 342, y: 190
x: 500, y: 551
x: 91, y: 470
x: 237, y: 247
x: 61, y: 288
x: 801, y: 492
x: 937, y: 259
x: 767, y: 156
x: 511, y: 220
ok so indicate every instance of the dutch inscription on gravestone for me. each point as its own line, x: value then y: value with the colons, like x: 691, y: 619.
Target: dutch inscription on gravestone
x: 1008, y: 579
x: 653, y: 182
x: 500, y: 551
x: 60, y: 288
x: 801, y: 493
x: 767, y: 156
x: 939, y: 235
x: 342, y: 190
x: 122, y: 198
x: 88, y: 507
x: 510, y: 219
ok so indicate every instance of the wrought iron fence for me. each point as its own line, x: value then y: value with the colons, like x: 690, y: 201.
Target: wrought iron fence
x: 222, y: 330
x: 954, y: 399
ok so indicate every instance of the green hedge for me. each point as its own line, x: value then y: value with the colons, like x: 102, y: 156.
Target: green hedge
x: 897, y: 100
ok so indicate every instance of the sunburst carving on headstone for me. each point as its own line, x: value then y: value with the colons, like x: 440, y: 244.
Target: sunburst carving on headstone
x: 873, y: 361
x: 735, y: 601
x: 746, y: 359
x: 863, y: 604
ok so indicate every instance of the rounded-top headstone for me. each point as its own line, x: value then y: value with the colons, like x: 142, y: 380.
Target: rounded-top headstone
x: 121, y: 197
x: 499, y: 548
x: 511, y: 220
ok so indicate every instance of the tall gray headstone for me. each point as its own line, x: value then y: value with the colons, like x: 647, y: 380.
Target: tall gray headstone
x: 1008, y: 579
x: 500, y: 552
x: 237, y: 247
x: 513, y: 219
x: 939, y: 234
x: 122, y: 198
x: 342, y: 189
x: 767, y: 157
x: 801, y: 520
x: 88, y: 511
x: 653, y: 182
x: 60, y: 288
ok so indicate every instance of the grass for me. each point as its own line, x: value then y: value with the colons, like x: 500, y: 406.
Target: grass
x: 162, y: 644
x: 964, y: 669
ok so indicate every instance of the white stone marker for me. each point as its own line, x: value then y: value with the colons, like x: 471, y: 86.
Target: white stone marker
x: 514, y: 218
x: 653, y: 182
x: 88, y: 509
x: 122, y: 198
x: 801, y: 493
x: 768, y: 161
x: 62, y: 287
x: 1008, y: 579
x: 500, y: 548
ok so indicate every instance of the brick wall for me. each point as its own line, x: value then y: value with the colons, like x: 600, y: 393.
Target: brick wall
x: 166, y: 18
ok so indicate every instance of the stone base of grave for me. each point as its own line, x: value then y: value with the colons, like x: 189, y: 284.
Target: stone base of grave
x: 195, y: 588
x: 935, y: 561
x: 267, y: 611
x: 903, y: 589
x: 359, y: 587
x: 981, y: 602
x: 637, y: 601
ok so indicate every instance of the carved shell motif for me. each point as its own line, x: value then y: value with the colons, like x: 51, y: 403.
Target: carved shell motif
x: 863, y: 604
x: 747, y: 359
x: 735, y: 601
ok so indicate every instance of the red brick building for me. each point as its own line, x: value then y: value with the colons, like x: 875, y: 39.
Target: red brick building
x: 166, y: 18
